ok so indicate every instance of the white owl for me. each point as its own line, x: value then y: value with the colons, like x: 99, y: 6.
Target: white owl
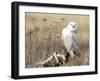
x: 69, y: 37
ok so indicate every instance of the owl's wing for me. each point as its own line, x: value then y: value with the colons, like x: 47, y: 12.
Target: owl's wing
x: 75, y: 44
x: 68, y: 42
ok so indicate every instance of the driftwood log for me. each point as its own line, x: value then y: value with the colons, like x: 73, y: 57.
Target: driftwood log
x: 56, y: 59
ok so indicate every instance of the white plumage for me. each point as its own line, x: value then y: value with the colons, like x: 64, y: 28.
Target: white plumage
x: 69, y: 37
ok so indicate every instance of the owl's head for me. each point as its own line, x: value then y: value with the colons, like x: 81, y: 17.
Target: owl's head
x: 73, y: 26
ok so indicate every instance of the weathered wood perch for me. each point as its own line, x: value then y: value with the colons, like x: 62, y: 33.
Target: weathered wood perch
x: 56, y: 59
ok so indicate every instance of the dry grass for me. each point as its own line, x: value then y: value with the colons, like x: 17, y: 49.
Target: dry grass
x: 43, y: 37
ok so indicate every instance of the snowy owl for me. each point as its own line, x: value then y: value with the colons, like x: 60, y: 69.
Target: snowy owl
x: 69, y: 37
